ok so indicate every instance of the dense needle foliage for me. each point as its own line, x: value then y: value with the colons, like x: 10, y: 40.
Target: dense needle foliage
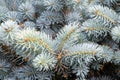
x: 59, y: 40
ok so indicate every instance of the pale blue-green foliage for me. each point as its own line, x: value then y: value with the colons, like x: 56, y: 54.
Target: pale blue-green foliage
x: 8, y: 29
x: 116, y: 58
x: 29, y: 44
x: 44, y: 61
x: 2, y: 3
x: 108, y: 54
x: 87, y: 51
x: 3, y: 11
x: 76, y: 4
x: 49, y: 17
x: 115, y: 33
x: 81, y: 55
x: 81, y: 70
x: 112, y: 1
x: 36, y: 2
x: 99, y: 2
x: 82, y: 21
x: 67, y: 36
x: 29, y: 24
x: 10, y: 78
x: 108, y: 3
x: 46, y: 75
x: 25, y: 72
x: 95, y: 30
x: 30, y: 73
x: 13, y: 4
x: 104, y: 14
x: 78, y: 15
x: 81, y: 38
x: 5, y: 68
x: 73, y: 4
x: 13, y: 15
x: 88, y: 3
x: 49, y: 32
x: 42, y: 23
x: 27, y: 9
x: 53, y: 5
x: 74, y: 17
x: 39, y: 8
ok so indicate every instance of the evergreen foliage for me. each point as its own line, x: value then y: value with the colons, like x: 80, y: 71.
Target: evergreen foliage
x: 59, y: 40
